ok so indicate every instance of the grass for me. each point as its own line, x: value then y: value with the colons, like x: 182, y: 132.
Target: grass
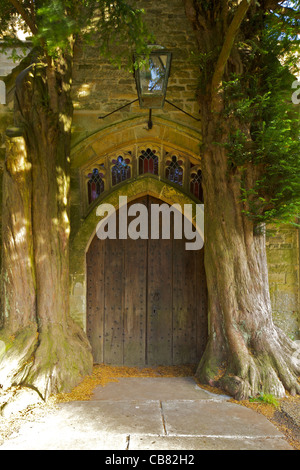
x: 267, y: 398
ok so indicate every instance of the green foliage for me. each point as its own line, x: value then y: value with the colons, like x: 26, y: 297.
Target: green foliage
x: 205, y: 62
x: 55, y: 24
x: 115, y: 27
x: 265, y: 131
x: 267, y: 398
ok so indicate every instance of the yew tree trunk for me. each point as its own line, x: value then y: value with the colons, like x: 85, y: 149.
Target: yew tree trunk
x: 45, y: 349
x: 246, y: 353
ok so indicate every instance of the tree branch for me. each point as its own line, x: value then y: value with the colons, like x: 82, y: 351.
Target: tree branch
x: 225, y: 11
x: 228, y: 43
x: 197, y: 21
x: 28, y: 20
x: 32, y: 10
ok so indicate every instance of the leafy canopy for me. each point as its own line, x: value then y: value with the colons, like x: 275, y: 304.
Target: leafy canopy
x: 265, y: 131
x: 51, y: 24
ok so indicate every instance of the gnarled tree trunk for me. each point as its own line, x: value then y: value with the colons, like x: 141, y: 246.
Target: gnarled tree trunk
x: 45, y: 349
x: 246, y: 353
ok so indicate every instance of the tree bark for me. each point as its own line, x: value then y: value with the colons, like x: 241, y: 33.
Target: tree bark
x: 45, y: 348
x: 246, y: 353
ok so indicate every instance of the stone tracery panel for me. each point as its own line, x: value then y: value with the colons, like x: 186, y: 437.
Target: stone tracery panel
x: 148, y: 161
x: 137, y: 161
x: 195, y: 183
x: 95, y: 183
x: 174, y: 168
x: 121, y: 167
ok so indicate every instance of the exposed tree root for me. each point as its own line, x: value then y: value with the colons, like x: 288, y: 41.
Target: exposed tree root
x: 275, y: 370
x: 50, y: 361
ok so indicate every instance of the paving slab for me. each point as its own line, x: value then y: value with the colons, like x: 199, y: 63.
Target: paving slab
x: 43, y: 438
x: 217, y: 419
x: 90, y: 425
x: 115, y: 417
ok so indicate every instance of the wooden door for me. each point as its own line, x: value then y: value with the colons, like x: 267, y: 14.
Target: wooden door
x: 146, y: 300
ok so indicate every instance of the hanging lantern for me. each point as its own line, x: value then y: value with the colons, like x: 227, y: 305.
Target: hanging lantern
x: 152, y: 76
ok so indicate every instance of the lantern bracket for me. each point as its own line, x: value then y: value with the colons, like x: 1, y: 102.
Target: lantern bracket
x: 150, y: 124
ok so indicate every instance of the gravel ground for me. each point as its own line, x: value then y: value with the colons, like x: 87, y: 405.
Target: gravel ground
x: 11, y: 424
x: 288, y: 419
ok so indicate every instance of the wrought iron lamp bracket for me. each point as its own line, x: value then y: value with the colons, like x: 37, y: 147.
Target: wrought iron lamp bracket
x: 150, y: 123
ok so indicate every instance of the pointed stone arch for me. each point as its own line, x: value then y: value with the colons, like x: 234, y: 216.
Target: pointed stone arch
x: 117, y: 138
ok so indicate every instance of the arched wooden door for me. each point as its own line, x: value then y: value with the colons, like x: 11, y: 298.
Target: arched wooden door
x: 146, y: 300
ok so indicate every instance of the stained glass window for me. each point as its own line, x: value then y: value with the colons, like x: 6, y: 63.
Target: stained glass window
x: 121, y: 170
x: 174, y: 170
x: 196, y: 184
x: 179, y: 169
x: 148, y: 162
x: 95, y: 184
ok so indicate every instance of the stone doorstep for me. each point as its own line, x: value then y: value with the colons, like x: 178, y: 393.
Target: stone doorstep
x: 154, y: 388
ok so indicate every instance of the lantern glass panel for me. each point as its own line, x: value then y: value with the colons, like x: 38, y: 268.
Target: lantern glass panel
x: 153, y: 76
x: 152, y: 79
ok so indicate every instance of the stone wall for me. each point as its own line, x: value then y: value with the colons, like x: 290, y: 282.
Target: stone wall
x: 283, y: 263
x: 100, y: 87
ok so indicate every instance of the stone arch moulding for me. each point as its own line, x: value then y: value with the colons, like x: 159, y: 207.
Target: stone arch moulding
x: 179, y: 138
x: 113, y: 155
x: 134, y: 130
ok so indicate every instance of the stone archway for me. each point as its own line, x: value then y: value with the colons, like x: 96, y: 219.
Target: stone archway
x: 101, y: 147
x: 146, y: 300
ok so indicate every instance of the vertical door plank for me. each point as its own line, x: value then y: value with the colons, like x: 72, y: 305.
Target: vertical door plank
x: 114, y: 270
x: 95, y: 298
x: 135, y: 290
x: 184, y: 309
x: 159, y: 301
